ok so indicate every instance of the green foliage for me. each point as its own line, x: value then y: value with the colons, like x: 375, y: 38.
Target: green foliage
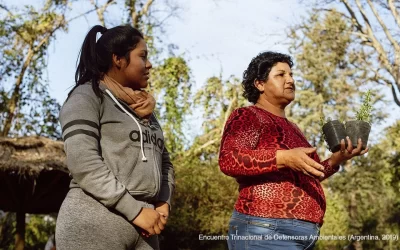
x: 172, y: 88
x: 170, y: 76
x: 374, y: 28
x: 364, y: 114
x: 322, y: 120
x: 363, y: 199
x: 360, y: 200
x: 25, y: 35
x: 38, y: 230
x: 322, y: 123
x: 335, y: 221
x: 7, y: 231
x: 202, y: 204
x: 332, y: 69
x: 216, y: 101
x: 204, y: 197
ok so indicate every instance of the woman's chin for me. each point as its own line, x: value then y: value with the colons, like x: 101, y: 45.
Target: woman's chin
x: 291, y: 96
x: 143, y: 84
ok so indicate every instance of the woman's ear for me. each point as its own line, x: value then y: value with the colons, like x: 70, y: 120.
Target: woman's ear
x: 259, y: 85
x: 117, y: 61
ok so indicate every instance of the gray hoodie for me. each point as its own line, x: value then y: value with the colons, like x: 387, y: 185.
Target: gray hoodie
x: 112, y: 154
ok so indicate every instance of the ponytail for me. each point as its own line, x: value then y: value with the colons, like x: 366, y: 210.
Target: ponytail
x: 95, y: 58
x: 88, y: 68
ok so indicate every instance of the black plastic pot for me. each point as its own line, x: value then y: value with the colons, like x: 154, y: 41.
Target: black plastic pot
x: 358, y: 129
x: 334, y: 132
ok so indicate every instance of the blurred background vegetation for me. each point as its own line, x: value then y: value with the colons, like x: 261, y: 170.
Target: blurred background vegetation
x: 341, y: 48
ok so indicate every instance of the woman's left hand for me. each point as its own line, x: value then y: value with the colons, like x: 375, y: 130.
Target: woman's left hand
x: 345, y: 154
x: 163, y: 209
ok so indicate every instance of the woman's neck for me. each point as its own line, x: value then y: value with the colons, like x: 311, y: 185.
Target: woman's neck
x: 274, y: 109
x: 116, y: 77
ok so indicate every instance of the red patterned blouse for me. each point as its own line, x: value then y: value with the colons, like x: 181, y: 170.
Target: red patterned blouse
x: 248, y: 152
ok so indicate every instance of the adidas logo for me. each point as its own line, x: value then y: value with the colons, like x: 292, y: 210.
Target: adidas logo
x: 147, y: 138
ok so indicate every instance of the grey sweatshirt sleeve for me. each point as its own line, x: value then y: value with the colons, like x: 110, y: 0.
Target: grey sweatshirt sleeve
x: 168, y: 179
x: 80, y: 122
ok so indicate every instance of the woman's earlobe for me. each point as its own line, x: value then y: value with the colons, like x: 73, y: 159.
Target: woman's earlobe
x: 116, y: 61
x: 259, y: 85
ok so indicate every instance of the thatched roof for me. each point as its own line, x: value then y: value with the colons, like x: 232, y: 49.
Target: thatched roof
x: 31, y: 155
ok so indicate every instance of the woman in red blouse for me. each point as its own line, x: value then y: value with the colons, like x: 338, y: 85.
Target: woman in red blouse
x: 281, y: 203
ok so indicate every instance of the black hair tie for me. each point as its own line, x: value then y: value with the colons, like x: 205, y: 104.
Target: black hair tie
x: 103, y: 30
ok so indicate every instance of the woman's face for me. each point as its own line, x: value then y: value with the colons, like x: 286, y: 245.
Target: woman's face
x: 279, y: 88
x: 136, y: 74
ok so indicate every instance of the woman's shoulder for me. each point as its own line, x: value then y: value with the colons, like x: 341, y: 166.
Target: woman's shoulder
x: 81, y: 96
x: 84, y: 92
x: 84, y: 89
x: 247, y: 113
x: 252, y: 111
x: 245, y: 110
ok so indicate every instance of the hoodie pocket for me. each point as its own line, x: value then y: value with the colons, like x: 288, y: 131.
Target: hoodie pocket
x: 140, y: 178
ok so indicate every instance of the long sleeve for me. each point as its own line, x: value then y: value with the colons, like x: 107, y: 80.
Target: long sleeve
x: 168, y: 179
x: 329, y: 170
x: 80, y: 121
x: 238, y: 153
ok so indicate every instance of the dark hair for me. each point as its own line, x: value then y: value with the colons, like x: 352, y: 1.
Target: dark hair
x: 95, y: 58
x: 259, y: 69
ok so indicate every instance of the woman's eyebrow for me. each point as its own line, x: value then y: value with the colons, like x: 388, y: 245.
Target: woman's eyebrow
x: 284, y: 71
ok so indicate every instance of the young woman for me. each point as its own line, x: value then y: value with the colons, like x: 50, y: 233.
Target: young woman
x: 122, y: 177
x: 281, y: 203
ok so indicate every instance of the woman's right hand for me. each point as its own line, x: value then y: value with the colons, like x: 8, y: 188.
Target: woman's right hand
x: 298, y: 159
x: 149, y: 220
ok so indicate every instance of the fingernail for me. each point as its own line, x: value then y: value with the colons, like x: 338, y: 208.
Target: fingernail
x: 322, y: 175
x: 347, y: 137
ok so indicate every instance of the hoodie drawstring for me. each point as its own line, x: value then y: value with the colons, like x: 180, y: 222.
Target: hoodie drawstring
x: 131, y: 116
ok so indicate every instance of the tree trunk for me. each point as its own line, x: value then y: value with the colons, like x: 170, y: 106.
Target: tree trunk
x: 356, y: 245
x: 20, y: 233
x: 16, y: 95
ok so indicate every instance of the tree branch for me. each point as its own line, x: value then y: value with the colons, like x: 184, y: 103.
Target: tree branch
x: 330, y: 10
x: 100, y: 10
x: 146, y: 8
x: 375, y: 43
x: 228, y: 112
x: 207, y: 144
x: 353, y: 16
x: 384, y: 27
x: 15, y: 97
x: 395, y: 14
x: 134, y: 14
x: 396, y: 99
x: 137, y: 15
x: 6, y: 9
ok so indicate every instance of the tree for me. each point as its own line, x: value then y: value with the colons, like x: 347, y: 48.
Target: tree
x: 24, y: 37
x: 170, y: 76
x: 204, y: 198
x: 374, y: 26
x: 38, y: 230
x: 364, y: 199
x: 332, y: 73
x: 360, y: 200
